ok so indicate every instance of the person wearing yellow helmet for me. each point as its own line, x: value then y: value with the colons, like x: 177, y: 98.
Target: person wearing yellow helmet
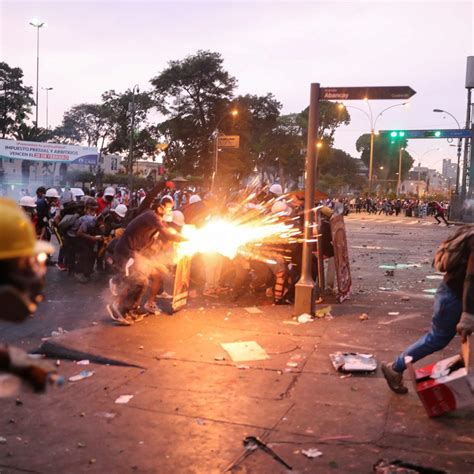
x: 22, y: 271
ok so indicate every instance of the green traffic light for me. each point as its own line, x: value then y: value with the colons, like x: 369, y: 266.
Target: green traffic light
x: 393, y: 134
x: 437, y: 134
x: 401, y: 134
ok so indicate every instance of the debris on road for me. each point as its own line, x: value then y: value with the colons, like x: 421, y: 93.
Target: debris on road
x: 292, y: 364
x: 253, y: 310
x: 245, y: 351
x: 311, y: 453
x: 219, y: 358
x: 305, y: 318
x: 383, y: 466
x: 384, y: 288
x: 81, y: 445
x: 3, y: 440
x: 322, y: 312
x: 431, y: 291
x: 363, y: 317
x: 393, y: 313
x: 83, y: 362
x: 434, y: 277
x: 243, y: 367
x: 123, y: 399
x: 389, y: 273
x: 405, y: 298
x: 353, y: 362
x: 252, y: 443
x: 84, y: 374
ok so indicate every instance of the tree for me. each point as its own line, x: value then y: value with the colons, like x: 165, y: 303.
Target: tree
x: 193, y: 94
x: 16, y: 99
x: 386, y: 156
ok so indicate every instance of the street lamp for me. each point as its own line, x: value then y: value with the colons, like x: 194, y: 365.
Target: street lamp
x: 131, y: 110
x: 37, y: 24
x: 47, y: 89
x: 234, y: 113
x: 373, y: 123
x: 419, y: 167
x: 400, y: 154
x: 459, y: 146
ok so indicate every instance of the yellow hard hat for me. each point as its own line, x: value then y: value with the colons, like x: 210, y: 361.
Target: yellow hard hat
x: 17, y: 235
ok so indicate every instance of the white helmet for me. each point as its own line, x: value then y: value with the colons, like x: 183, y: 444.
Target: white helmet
x: 178, y: 218
x: 281, y: 207
x: 27, y: 201
x: 121, y: 210
x: 194, y: 198
x: 52, y: 193
x: 109, y: 191
x: 276, y: 189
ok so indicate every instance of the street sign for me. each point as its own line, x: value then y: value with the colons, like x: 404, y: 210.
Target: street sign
x: 439, y: 133
x: 369, y: 93
x: 229, y: 141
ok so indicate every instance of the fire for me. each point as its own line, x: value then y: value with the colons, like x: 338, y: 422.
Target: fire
x: 231, y: 237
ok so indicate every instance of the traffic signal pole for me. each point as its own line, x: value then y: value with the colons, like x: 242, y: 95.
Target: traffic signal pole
x: 465, y: 165
x: 304, y: 291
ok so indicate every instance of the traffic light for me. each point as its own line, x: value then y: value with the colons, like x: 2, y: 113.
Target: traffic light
x: 433, y: 134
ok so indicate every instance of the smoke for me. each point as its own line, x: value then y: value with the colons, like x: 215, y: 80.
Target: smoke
x: 468, y: 205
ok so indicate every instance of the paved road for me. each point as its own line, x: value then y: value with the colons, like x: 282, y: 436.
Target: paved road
x: 192, y: 405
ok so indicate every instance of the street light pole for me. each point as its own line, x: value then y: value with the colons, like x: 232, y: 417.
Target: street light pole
x: 458, y: 167
x: 47, y: 89
x: 399, y: 170
x: 37, y: 24
x: 132, y: 127
x: 304, y: 290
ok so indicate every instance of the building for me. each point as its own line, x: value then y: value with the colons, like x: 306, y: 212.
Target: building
x: 450, y: 172
x: 422, y: 180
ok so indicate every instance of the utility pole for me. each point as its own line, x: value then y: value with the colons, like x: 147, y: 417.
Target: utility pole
x: 37, y: 24
x: 399, y: 170
x: 304, y: 296
x: 131, y: 110
x: 47, y: 89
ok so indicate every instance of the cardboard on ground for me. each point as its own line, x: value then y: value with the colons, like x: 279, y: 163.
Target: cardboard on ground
x: 245, y: 351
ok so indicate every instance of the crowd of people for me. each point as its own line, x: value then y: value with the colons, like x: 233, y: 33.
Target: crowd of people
x: 129, y: 236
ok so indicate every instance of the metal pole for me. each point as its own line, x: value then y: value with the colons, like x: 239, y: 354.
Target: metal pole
x: 399, y: 171
x: 132, y: 126
x: 216, y: 157
x: 304, y: 296
x: 47, y: 107
x: 458, y: 166
x: 466, y: 146
x: 371, y: 159
x: 37, y: 72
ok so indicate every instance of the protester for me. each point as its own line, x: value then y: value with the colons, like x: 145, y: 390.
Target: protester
x: 453, y: 306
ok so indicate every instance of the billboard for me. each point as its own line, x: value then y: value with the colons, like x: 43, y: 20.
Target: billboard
x: 48, y: 152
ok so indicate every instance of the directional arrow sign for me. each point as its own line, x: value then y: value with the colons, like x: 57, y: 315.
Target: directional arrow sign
x: 361, y: 93
x: 439, y: 133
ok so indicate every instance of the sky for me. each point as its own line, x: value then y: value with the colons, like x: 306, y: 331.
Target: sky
x: 89, y: 47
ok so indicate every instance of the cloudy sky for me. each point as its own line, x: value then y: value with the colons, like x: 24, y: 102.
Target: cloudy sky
x: 280, y: 47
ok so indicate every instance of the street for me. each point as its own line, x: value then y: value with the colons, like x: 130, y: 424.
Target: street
x: 192, y: 405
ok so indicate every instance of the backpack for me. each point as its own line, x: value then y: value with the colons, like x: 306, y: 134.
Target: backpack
x: 453, y: 252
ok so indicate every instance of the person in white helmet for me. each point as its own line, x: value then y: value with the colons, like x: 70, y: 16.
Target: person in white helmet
x: 28, y: 204
x: 106, y: 201
x: 275, y: 190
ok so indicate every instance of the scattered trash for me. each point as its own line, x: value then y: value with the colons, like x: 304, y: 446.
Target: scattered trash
x: 200, y: 422
x: 82, y: 414
x: 244, y: 351
x: 36, y: 356
x: 345, y: 376
x: 393, y: 313
x: 167, y: 355
x: 92, y: 461
x: 243, y: 367
x: 3, y: 440
x: 141, y: 347
x: 305, y: 318
x: 434, y: 277
x: 292, y: 364
x: 294, y: 323
x: 405, y: 298
x: 83, y: 362
x: 106, y: 414
x: 322, y: 312
x: 253, y: 310
x: 84, y: 374
x: 383, y: 466
x: 58, y: 363
x: 399, y: 266
x: 431, y: 291
x: 59, y: 332
x: 220, y: 358
x: 81, y: 445
x: 252, y: 443
x: 311, y: 453
x: 389, y: 273
x: 384, y: 288
x: 123, y: 399
x: 353, y: 362
x: 18, y: 402
x: 363, y: 317
x: 94, y: 323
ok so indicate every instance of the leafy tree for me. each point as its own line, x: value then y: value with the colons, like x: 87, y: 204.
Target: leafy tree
x: 16, y: 99
x: 386, y: 155
x: 193, y: 94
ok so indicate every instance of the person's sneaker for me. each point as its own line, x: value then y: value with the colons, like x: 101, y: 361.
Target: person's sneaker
x: 151, y: 308
x: 394, y: 379
x: 81, y: 278
x: 113, y: 287
x: 61, y: 267
x: 117, y: 316
x: 134, y: 316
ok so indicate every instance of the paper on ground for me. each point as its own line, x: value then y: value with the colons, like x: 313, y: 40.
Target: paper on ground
x: 244, y: 351
x: 253, y: 310
x: 123, y: 399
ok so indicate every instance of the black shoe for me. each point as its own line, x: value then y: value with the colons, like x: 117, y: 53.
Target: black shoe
x: 394, y: 379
